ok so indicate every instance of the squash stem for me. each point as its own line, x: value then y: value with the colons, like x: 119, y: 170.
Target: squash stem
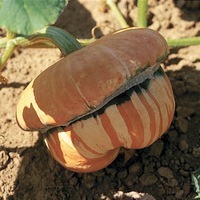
x: 10, y: 47
x: 182, y: 42
x: 48, y: 37
x: 60, y: 38
x: 117, y: 13
x: 7, y: 53
x: 10, y: 35
x: 142, y: 13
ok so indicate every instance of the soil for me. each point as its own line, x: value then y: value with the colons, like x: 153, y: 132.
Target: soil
x: 163, y: 170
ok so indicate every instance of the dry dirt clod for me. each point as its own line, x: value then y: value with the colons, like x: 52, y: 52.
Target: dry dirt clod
x: 122, y: 174
x: 179, y: 194
x: 183, y: 145
x: 173, y: 182
x: 182, y: 124
x: 165, y: 172
x: 156, y: 148
x: 184, y: 173
x: 148, y: 179
x: 4, y: 158
x: 184, y: 111
x: 196, y: 152
x: 187, y: 186
x: 179, y: 88
x: 135, y: 169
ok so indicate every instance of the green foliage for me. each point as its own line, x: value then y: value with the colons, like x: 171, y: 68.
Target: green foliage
x: 27, y: 16
x: 196, y: 181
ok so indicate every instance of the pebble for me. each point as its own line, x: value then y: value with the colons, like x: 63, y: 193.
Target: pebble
x: 158, y: 164
x: 135, y: 169
x: 122, y: 174
x: 177, y: 162
x: 182, y: 124
x: 172, y: 135
x: 187, y: 187
x: 165, y: 162
x: 173, y: 182
x: 169, y: 153
x: 187, y: 158
x: 186, y: 166
x: 150, y: 167
x: 196, y: 152
x: 161, y: 190
x: 184, y: 111
x: 156, y: 148
x: 179, y: 88
x: 179, y: 194
x: 182, y: 160
x: 111, y: 171
x: 184, y: 173
x: 130, y: 180
x: 183, y: 145
x: 148, y: 179
x: 165, y: 172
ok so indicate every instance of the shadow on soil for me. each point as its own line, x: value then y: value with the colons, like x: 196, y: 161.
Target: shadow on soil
x: 189, y: 9
x: 41, y: 178
x: 74, y: 23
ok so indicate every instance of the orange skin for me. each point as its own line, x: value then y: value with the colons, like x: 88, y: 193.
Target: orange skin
x: 83, y: 82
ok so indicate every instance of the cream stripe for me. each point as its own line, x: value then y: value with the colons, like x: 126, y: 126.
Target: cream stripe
x: 170, y: 103
x: 93, y: 134
x: 156, y: 112
x: 64, y: 136
x: 83, y: 151
x: 119, y: 125
x: 41, y: 114
x: 158, y: 91
x: 145, y: 118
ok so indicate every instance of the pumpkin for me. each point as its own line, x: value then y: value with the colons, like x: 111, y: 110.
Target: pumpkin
x: 110, y: 94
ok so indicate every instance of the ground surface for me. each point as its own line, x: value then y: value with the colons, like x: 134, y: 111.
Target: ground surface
x: 28, y: 172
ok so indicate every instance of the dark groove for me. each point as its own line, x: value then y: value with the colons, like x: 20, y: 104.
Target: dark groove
x: 125, y: 96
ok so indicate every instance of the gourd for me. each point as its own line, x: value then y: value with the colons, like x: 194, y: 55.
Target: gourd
x: 110, y: 94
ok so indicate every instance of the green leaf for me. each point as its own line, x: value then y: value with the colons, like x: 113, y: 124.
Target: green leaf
x: 196, y: 181
x: 27, y: 16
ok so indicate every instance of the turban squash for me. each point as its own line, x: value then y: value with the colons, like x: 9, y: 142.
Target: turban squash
x: 110, y: 94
